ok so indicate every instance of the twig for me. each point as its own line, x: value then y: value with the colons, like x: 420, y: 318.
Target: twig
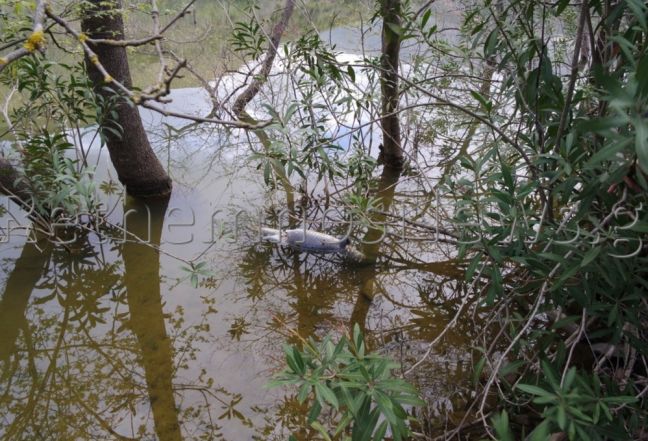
x: 155, y: 93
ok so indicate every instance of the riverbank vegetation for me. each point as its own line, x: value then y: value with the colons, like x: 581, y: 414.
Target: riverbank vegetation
x: 506, y: 140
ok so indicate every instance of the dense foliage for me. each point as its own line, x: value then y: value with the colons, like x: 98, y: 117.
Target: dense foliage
x: 555, y: 215
x: 359, y: 387
x: 535, y: 116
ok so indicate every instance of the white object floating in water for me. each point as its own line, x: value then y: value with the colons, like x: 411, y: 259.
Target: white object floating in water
x: 305, y: 240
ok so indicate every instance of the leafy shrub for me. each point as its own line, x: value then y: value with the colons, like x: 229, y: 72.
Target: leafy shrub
x: 365, y: 397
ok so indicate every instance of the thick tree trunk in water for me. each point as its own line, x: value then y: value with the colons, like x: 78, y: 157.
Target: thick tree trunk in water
x: 135, y: 162
x: 392, y: 153
x: 370, y: 248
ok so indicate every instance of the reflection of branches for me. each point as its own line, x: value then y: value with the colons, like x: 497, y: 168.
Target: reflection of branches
x: 69, y: 370
x: 98, y: 418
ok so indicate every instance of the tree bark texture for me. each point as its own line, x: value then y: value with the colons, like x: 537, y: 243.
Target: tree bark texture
x: 138, y: 169
x: 392, y: 152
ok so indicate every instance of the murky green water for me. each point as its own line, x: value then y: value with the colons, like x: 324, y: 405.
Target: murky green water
x: 106, y: 337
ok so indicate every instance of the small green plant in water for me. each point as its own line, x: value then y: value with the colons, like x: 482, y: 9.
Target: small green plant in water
x: 359, y: 389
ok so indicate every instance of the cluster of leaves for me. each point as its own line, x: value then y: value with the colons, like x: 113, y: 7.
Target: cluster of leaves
x: 283, y: 156
x: 359, y: 387
x: 579, y: 405
x: 15, y: 21
x: 248, y: 38
x: 56, y: 185
x: 307, y: 138
x: 553, y: 211
x: 55, y: 105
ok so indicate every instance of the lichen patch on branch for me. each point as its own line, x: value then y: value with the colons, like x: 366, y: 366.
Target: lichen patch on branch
x: 36, y: 40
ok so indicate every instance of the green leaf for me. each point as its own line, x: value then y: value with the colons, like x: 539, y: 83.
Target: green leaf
x: 639, y: 12
x: 478, y: 369
x: 491, y: 43
x: 590, y: 256
x: 501, y: 425
x: 541, y: 432
x: 569, y: 378
x: 426, y: 17
x: 324, y: 393
x: 314, y: 411
x: 486, y: 105
x: 379, y: 435
x: 642, y: 76
x: 561, y: 417
x: 321, y: 430
x: 351, y: 73
x: 294, y: 360
x: 396, y: 29
x: 560, y: 7
x: 534, y: 390
x: 304, y: 391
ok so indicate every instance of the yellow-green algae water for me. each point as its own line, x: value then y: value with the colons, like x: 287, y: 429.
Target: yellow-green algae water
x: 106, y: 337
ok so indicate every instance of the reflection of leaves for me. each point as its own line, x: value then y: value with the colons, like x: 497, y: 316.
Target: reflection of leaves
x: 253, y: 268
x: 210, y: 282
x: 195, y: 270
x: 238, y: 328
x: 84, y: 293
x: 45, y: 299
x: 289, y: 413
x: 80, y: 281
x: 109, y: 187
x: 231, y: 412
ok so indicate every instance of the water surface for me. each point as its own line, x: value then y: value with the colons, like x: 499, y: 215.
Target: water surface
x: 107, y: 337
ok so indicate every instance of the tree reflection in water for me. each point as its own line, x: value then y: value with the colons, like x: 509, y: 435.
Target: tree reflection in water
x: 84, y: 347
x: 90, y: 349
x: 402, y: 296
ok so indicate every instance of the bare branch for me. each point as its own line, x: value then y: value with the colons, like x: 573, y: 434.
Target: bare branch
x: 153, y: 93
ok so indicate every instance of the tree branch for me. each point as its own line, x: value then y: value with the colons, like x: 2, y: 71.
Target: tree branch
x: 260, y: 79
x: 34, y: 42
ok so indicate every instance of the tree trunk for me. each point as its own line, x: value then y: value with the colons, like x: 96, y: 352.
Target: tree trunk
x: 367, y: 270
x: 138, y: 169
x: 392, y: 153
